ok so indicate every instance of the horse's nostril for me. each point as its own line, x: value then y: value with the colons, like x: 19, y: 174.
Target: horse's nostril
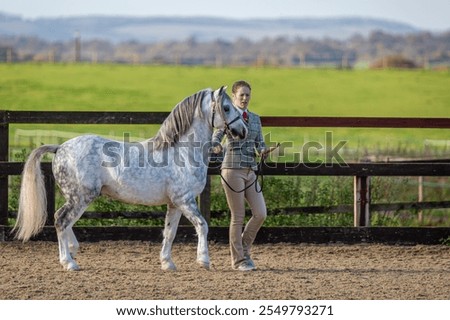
x: 241, y: 134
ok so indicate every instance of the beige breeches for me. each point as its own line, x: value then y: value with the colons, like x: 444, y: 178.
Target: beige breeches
x: 242, y: 240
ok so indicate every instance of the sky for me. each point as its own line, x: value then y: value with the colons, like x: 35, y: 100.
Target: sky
x: 433, y: 15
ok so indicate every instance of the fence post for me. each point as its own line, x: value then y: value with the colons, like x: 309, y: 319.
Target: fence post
x: 420, y: 198
x: 361, y: 211
x: 4, y: 149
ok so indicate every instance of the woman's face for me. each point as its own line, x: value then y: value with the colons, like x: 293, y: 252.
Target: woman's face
x: 241, y: 98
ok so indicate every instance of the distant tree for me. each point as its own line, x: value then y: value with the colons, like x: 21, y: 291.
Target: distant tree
x: 429, y: 50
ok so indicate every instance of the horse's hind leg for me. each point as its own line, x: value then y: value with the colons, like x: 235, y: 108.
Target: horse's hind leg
x: 170, y: 229
x: 191, y: 212
x: 61, y: 224
x: 73, y: 243
x: 65, y: 218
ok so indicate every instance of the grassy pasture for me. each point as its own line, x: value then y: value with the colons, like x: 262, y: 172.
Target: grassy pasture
x: 276, y: 91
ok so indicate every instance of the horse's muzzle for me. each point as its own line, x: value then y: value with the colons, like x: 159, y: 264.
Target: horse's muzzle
x: 241, y: 134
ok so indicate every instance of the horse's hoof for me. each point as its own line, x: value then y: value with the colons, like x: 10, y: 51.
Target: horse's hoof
x: 72, y: 266
x: 204, y: 264
x: 168, y: 266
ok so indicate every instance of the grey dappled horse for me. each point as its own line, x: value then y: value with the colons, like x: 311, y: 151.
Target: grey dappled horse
x: 170, y: 168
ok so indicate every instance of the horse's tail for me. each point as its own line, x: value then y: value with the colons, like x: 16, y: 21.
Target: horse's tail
x: 32, y: 211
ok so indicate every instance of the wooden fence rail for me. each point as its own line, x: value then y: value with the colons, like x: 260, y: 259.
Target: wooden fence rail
x: 360, y: 171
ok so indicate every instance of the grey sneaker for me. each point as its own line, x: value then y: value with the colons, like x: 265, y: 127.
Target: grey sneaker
x: 245, y: 266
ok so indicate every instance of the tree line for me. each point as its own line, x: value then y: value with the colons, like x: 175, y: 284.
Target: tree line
x: 377, y: 49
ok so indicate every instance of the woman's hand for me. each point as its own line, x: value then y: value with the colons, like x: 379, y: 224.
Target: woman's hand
x: 216, y: 148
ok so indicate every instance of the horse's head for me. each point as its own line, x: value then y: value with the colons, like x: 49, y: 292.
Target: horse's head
x: 225, y: 115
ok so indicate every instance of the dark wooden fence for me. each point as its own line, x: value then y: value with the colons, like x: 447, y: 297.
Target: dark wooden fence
x: 361, y: 172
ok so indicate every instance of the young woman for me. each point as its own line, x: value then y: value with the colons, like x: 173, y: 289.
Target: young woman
x: 240, y: 181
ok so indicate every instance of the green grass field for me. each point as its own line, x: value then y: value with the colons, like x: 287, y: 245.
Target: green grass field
x: 276, y: 91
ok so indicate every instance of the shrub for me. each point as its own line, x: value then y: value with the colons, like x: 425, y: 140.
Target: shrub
x: 393, y: 62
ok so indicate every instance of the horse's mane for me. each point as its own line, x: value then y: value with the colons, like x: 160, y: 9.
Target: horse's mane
x: 178, y: 121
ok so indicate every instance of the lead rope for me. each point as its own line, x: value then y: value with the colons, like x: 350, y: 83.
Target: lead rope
x: 258, y: 174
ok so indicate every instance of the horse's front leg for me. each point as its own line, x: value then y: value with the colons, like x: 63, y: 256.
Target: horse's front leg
x: 170, y: 229
x: 191, y: 212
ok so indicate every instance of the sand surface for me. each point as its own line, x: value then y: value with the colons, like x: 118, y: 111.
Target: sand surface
x: 131, y: 270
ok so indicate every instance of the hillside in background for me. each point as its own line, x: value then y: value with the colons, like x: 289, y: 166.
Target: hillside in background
x: 157, y: 29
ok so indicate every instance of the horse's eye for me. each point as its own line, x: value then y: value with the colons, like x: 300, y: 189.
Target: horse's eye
x: 226, y: 108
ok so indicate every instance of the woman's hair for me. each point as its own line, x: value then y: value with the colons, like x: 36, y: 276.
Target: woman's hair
x: 240, y: 83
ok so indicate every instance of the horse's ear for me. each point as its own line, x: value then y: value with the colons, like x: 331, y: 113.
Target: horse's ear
x: 222, y: 90
x: 219, y: 92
